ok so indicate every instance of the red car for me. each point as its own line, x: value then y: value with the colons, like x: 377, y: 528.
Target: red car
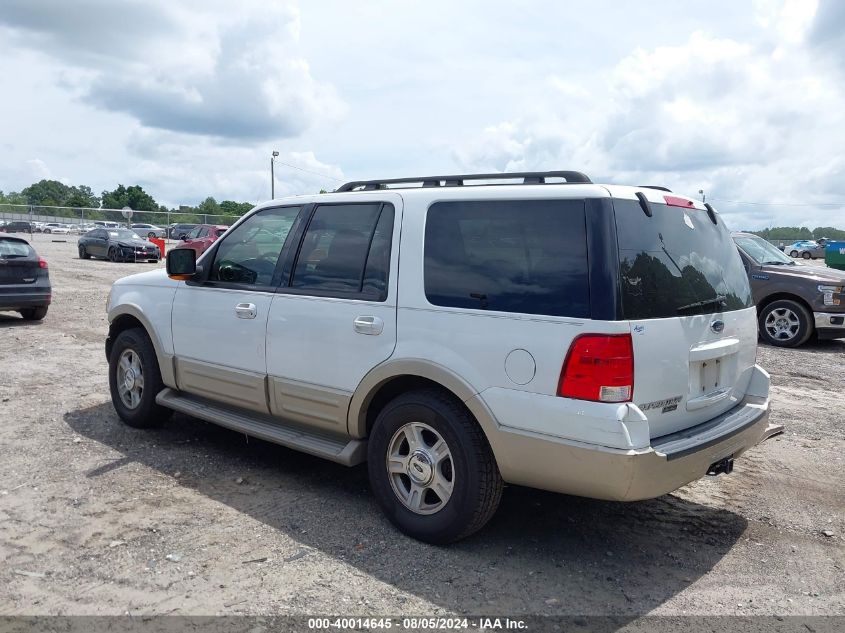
x: 201, y: 237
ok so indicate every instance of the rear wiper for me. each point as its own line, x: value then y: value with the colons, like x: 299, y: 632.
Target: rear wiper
x: 718, y: 300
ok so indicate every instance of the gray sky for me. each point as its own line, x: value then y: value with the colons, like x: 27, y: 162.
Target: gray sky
x: 742, y: 99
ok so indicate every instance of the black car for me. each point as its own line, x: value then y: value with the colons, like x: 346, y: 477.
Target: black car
x: 18, y: 226
x: 179, y: 231
x: 117, y: 245
x: 24, y: 279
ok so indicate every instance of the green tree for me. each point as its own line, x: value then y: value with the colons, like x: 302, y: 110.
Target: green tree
x: 82, y: 196
x: 47, y: 193
x: 133, y: 197
x: 13, y: 197
x: 235, y: 209
x: 209, y: 206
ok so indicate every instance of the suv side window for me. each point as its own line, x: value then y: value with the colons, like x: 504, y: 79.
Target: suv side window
x: 346, y: 251
x: 249, y: 253
x: 523, y: 256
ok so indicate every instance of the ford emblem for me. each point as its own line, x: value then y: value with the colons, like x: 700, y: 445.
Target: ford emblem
x: 717, y: 326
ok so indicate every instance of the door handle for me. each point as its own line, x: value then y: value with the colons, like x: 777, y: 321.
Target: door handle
x: 246, y: 310
x: 368, y: 325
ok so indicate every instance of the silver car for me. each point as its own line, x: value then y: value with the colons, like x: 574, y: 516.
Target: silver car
x: 808, y: 250
x: 149, y: 230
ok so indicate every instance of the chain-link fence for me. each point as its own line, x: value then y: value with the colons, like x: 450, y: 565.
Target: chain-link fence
x: 80, y: 219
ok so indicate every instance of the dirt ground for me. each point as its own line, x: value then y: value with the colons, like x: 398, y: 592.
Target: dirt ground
x: 99, y: 518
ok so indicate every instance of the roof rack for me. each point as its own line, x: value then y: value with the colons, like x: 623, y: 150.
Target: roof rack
x: 528, y: 178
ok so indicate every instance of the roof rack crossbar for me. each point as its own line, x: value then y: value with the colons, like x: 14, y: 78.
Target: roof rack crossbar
x: 528, y: 178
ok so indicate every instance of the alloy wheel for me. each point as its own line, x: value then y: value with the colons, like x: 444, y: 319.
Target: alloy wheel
x: 130, y: 378
x: 420, y: 468
x: 782, y: 324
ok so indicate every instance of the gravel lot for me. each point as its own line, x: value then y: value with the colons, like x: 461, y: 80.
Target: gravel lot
x: 98, y: 518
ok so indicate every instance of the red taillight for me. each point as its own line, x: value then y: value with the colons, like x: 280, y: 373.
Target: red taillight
x: 599, y: 367
x: 42, y: 263
x: 675, y: 201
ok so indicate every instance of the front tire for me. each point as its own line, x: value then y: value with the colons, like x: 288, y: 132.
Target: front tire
x: 113, y: 254
x: 83, y: 254
x: 135, y: 380
x: 431, y: 468
x: 34, y: 314
x: 785, y: 323
x: 793, y: 254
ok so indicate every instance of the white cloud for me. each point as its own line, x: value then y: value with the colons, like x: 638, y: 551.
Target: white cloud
x: 742, y: 122
x: 189, y: 98
x: 201, y: 69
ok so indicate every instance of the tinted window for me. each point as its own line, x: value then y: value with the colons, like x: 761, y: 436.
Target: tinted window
x: 526, y: 256
x: 346, y: 250
x: 203, y: 232
x: 15, y: 248
x: 677, y: 263
x: 248, y: 254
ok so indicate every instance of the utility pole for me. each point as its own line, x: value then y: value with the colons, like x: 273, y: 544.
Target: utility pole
x: 273, y: 176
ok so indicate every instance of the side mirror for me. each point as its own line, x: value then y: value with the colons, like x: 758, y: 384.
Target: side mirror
x: 184, y: 238
x: 181, y: 264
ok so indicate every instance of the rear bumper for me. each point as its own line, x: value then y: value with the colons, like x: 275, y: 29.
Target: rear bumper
x: 35, y: 298
x: 829, y: 324
x: 672, y: 461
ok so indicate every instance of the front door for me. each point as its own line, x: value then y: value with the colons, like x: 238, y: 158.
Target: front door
x: 220, y: 322
x: 334, y: 318
x: 98, y: 244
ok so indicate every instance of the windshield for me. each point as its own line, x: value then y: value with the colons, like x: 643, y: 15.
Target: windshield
x: 677, y: 263
x: 124, y: 234
x: 762, y: 251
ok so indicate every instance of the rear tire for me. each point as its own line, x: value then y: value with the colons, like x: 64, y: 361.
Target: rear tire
x: 785, y: 323
x: 34, y: 314
x: 806, y: 255
x: 452, y: 459
x: 151, y: 234
x: 133, y: 393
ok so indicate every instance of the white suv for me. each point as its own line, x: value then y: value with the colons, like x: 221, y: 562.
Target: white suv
x: 535, y: 329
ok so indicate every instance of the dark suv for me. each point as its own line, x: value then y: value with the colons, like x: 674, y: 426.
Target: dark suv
x: 18, y: 227
x: 793, y: 301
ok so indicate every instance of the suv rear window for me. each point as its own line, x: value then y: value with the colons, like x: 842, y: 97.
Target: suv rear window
x: 677, y: 263
x: 524, y: 256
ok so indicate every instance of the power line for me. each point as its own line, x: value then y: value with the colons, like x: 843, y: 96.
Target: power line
x: 782, y: 204
x: 308, y: 171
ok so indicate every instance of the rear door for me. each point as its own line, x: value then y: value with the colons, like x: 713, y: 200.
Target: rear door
x: 693, y: 322
x: 335, y: 317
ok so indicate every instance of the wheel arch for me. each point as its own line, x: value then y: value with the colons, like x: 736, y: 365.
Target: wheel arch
x: 129, y: 316
x: 390, y: 379
x: 787, y: 296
